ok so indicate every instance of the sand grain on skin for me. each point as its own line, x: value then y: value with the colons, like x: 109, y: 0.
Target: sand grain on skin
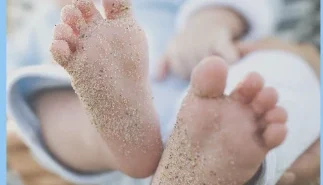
x: 187, y: 160
x: 111, y: 84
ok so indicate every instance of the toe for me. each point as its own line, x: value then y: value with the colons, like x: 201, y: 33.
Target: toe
x: 274, y: 135
x: 265, y: 100
x: 276, y: 115
x: 209, y: 77
x: 116, y: 8
x: 65, y: 32
x: 61, y: 52
x: 72, y: 16
x: 246, y: 91
x: 88, y: 10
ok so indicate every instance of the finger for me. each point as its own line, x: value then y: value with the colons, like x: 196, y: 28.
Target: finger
x: 162, y: 68
x: 177, y: 60
x: 307, y: 166
x: 229, y: 52
x: 193, y: 56
x: 180, y: 68
x: 268, y: 43
x: 245, y: 47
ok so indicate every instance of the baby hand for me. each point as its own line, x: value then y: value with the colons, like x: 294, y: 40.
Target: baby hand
x: 306, y: 168
x: 210, y: 32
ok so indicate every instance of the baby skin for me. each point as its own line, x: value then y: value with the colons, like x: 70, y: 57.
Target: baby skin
x: 219, y: 139
x: 107, y: 60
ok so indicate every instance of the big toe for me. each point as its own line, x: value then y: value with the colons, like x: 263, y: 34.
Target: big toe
x: 87, y: 9
x: 116, y: 8
x: 209, y: 77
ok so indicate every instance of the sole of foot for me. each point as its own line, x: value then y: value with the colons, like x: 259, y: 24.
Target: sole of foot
x: 221, y: 139
x: 107, y: 59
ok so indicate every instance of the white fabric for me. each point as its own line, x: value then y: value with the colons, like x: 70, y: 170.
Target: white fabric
x: 259, y: 14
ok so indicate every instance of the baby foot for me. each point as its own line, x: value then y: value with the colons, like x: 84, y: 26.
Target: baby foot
x: 221, y: 139
x: 107, y: 60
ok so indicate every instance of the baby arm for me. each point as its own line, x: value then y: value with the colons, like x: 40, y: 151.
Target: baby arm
x: 208, y: 32
x: 210, y: 27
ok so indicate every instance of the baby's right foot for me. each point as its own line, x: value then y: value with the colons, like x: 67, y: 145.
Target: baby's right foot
x: 108, y: 63
x: 218, y: 139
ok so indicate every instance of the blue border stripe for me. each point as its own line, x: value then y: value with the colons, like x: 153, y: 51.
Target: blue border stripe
x: 3, y: 20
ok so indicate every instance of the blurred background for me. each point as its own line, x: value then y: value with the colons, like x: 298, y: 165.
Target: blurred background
x: 29, y: 20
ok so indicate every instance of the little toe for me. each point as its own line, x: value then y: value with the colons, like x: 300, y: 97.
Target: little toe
x: 265, y: 100
x: 274, y: 135
x: 115, y: 9
x: 65, y: 32
x: 88, y: 10
x: 246, y: 91
x: 72, y: 16
x: 61, y: 52
x: 276, y: 115
x: 209, y: 77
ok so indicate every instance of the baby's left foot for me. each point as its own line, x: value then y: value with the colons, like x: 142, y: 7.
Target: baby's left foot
x: 107, y: 60
x: 218, y: 139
